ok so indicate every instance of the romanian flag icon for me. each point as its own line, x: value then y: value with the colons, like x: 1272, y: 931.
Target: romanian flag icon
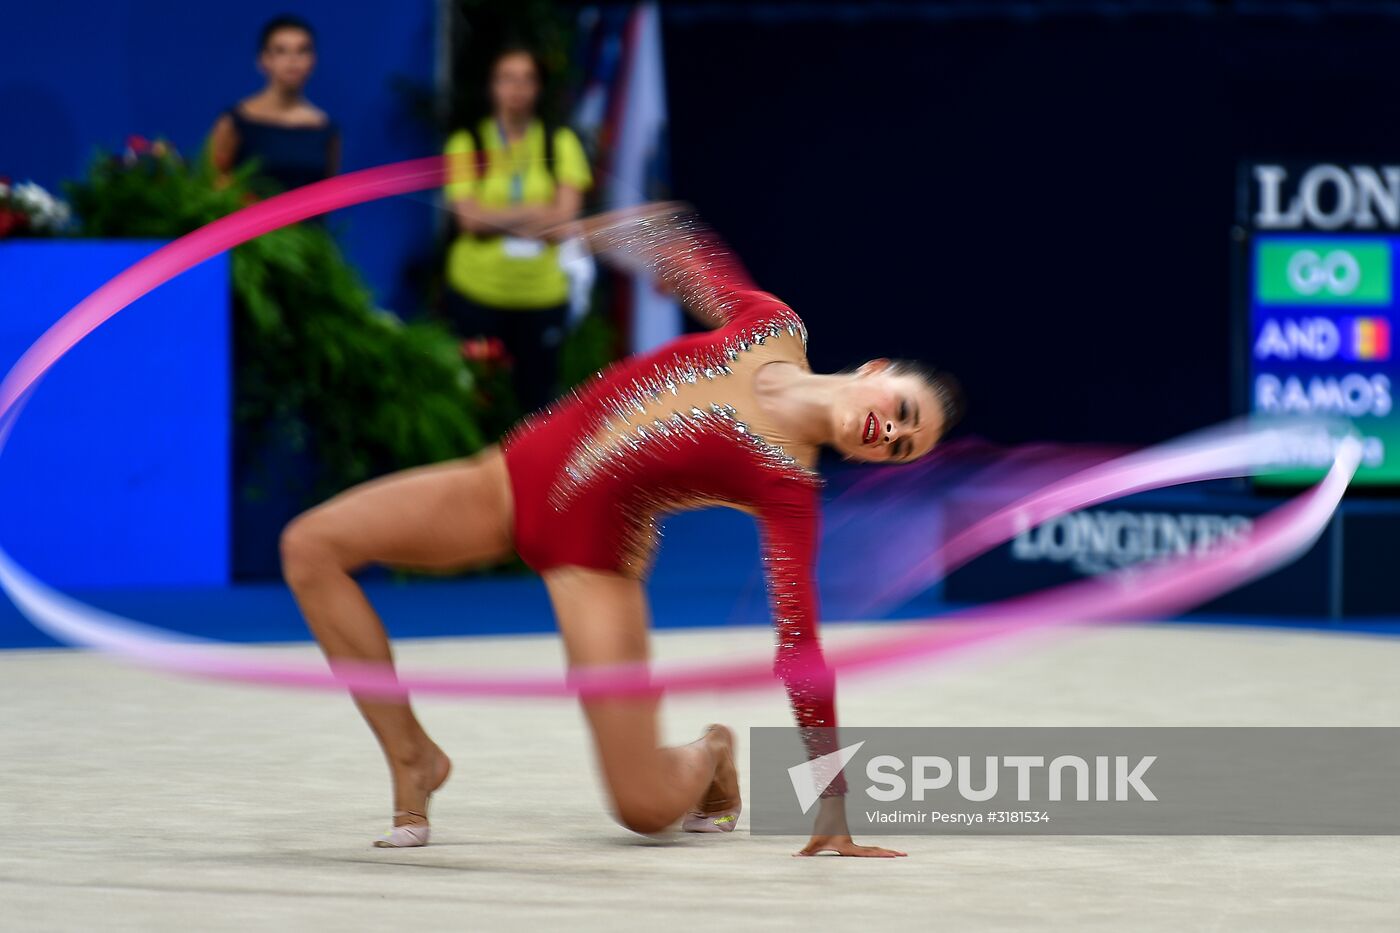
x: 1370, y: 338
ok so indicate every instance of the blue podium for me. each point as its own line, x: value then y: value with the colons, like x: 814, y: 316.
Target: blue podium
x: 117, y: 473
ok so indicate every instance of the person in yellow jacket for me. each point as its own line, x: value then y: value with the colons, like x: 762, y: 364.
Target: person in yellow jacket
x: 508, y: 175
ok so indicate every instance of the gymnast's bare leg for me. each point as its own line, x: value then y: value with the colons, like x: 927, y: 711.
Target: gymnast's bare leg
x: 459, y: 514
x: 446, y: 516
x: 603, y: 619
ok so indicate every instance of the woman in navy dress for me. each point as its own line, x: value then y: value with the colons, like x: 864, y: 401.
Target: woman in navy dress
x: 294, y: 142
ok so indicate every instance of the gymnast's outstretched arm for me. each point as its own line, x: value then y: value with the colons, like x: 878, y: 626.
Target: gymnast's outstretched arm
x: 789, y: 533
x: 669, y: 242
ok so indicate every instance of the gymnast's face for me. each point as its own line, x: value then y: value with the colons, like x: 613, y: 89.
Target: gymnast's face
x: 515, y: 85
x: 884, y: 416
x: 288, y: 58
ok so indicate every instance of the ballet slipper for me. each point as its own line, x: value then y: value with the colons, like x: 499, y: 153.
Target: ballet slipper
x: 405, y: 837
x: 414, y: 834
x: 722, y: 821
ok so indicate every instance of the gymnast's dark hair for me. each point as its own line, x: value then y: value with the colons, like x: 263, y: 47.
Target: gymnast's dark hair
x: 285, y: 21
x: 944, y: 386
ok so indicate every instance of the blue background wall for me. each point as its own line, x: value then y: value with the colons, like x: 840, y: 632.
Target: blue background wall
x: 76, y: 75
x: 117, y: 471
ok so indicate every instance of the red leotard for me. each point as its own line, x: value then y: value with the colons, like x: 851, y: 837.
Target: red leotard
x: 591, y: 474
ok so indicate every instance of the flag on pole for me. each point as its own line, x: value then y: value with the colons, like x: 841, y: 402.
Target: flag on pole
x: 624, y: 106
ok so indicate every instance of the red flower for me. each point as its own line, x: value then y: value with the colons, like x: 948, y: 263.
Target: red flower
x: 485, y: 350
x: 138, y: 144
x: 11, y: 221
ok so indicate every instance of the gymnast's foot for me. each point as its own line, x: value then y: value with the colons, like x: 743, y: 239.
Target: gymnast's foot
x: 415, y: 779
x: 718, y: 811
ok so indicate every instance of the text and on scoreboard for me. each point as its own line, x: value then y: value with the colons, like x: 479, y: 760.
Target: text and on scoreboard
x: 1322, y: 307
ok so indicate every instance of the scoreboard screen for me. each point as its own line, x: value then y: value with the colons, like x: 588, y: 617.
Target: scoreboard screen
x: 1320, y: 313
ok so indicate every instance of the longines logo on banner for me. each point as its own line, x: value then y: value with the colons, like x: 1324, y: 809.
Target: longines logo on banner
x: 1327, y: 197
x: 1099, y: 541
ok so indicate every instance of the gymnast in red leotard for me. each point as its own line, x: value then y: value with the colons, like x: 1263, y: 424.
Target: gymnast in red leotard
x: 732, y: 417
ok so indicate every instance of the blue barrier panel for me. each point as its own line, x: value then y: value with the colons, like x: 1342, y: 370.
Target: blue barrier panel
x: 117, y: 473
x: 1368, y: 561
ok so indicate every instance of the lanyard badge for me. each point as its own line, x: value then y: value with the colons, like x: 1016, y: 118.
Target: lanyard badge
x: 517, y: 173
